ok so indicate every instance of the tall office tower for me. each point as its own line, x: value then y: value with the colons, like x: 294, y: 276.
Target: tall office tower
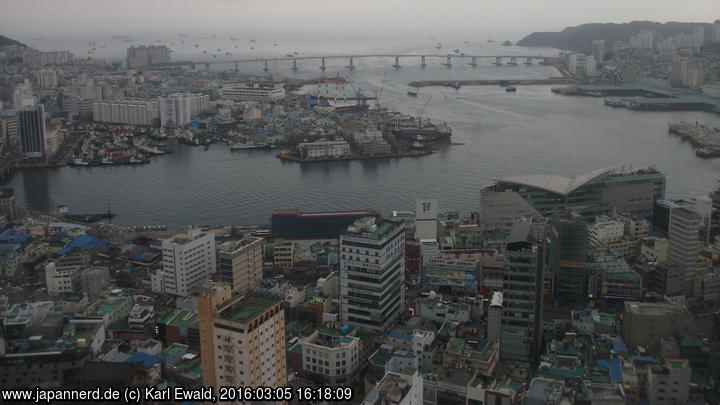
x: 568, y: 259
x: 240, y: 263
x: 7, y: 203
x: 426, y: 218
x: 372, y: 274
x: 188, y: 260
x: 684, y: 249
x: 242, y: 338
x: 522, y: 325
x: 495, y: 316
x: 598, y: 50
x: 31, y: 125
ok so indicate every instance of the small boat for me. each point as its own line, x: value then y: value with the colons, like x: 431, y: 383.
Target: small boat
x: 290, y: 55
x: 412, y: 94
x: 510, y: 89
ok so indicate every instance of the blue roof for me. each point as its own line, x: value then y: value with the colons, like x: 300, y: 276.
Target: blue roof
x: 10, y: 235
x: 602, y: 363
x: 615, y: 370
x: 619, y: 346
x: 516, y: 385
x: 147, y: 360
x: 83, y: 242
x: 399, y: 336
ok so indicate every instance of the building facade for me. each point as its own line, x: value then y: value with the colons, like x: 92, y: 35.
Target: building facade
x: 372, y: 274
x: 242, y: 338
x: 240, y: 262
x: 188, y: 260
x: 31, y: 126
x: 253, y: 91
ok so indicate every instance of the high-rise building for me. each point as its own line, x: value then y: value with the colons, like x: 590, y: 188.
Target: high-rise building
x: 598, y: 50
x: 495, y: 315
x: 569, y: 257
x: 240, y: 262
x: 7, y: 203
x: 188, y: 260
x: 523, y: 290
x: 31, y: 125
x: 8, y: 128
x: 139, y: 56
x: 48, y: 58
x: 684, y: 248
x: 372, y: 274
x: 242, y: 338
x: 258, y: 91
x: 47, y: 78
x: 177, y: 109
x: 646, y: 323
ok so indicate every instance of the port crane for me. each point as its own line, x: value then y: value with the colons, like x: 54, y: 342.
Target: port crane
x: 423, y: 110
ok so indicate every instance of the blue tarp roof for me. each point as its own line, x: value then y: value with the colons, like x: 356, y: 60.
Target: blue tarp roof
x: 602, y: 363
x: 399, y: 336
x: 144, y: 358
x: 619, y: 346
x: 646, y: 359
x: 11, y: 236
x: 615, y: 371
x: 83, y: 242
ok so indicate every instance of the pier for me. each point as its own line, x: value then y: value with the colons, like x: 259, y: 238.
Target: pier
x: 456, y: 84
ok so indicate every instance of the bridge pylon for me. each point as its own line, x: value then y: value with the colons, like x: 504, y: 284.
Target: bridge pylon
x: 513, y: 61
x: 422, y: 62
x: 350, y: 66
x: 322, y: 66
x: 498, y: 60
x: 528, y: 61
x: 294, y: 66
x: 449, y: 61
x: 397, y: 63
x: 473, y: 61
x: 265, y: 67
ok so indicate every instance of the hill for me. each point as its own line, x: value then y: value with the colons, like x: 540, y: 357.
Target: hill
x: 580, y: 38
x: 5, y: 41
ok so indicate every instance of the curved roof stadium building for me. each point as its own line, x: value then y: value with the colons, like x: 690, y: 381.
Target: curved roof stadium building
x: 625, y: 188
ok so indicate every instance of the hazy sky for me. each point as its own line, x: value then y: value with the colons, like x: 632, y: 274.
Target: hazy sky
x: 322, y: 17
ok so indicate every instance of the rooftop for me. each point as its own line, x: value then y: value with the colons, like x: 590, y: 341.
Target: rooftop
x: 249, y: 307
x: 181, y: 317
x: 565, y: 185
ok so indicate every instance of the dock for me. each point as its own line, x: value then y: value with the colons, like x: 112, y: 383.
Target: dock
x: 298, y: 159
x: 456, y: 84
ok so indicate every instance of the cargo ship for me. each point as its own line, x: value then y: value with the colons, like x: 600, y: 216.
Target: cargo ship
x: 411, y: 134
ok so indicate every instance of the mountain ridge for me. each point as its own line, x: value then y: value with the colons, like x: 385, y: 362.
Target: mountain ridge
x: 579, y: 38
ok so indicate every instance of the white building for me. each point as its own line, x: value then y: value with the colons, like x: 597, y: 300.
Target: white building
x: 715, y: 37
x: 177, y: 109
x: 47, y: 78
x: 604, y: 228
x: 325, y: 149
x: 132, y: 112
x: 403, y: 388
x: 188, y: 260
x: 598, y: 50
x: 257, y: 91
x: 335, y: 358
x: 48, y: 58
x: 139, y: 56
x: 590, y: 65
x: 669, y: 384
x: 61, y: 280
x: 372, y: 275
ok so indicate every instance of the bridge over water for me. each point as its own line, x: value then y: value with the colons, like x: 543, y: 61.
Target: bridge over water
x: 447, y: 59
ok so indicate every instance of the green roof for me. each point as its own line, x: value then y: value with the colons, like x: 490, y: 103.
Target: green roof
x: 180, y: 318
x: 578, y: 372
x: 107, y: 307
x: 565, y: 348
x: 691, y: 341
x: 248, y: 308
x: 623, y: 274
x: 380, y: 358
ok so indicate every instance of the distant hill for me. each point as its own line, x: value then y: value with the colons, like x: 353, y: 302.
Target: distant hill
x: 5, y: 41
x: 580, y: 38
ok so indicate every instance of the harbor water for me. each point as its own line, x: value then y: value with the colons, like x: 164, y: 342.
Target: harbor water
x: 498, y: 133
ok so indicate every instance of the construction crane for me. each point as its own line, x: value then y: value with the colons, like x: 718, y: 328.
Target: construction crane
x: 423, y: 110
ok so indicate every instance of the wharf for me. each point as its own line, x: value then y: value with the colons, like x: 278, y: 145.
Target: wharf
x: 295, y: 158
x: 706, y: 140
x: 519, y: 82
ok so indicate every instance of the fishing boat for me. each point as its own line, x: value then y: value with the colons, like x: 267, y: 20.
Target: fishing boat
x: 412, y: 94
x: 511, y: 89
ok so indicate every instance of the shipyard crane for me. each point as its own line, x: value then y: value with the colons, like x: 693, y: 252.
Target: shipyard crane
x: 423, y: 110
